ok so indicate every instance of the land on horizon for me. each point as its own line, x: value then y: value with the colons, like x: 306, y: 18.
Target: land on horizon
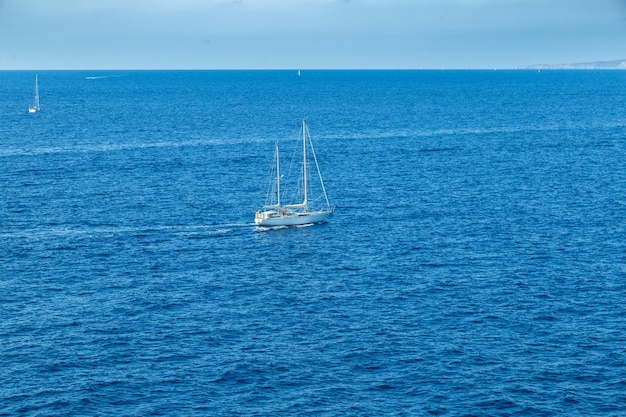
x: 615, y: 64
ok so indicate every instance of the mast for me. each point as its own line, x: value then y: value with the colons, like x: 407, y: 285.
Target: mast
x: 277, y: 177
x: 304, y: 173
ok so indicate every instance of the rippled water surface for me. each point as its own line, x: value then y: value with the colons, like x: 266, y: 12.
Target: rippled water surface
x: 475, y: 264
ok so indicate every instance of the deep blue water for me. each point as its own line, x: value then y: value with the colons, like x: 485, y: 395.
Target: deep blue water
x: 475, y: 264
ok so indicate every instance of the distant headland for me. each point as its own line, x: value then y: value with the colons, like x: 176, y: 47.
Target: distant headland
x: 599, y: 65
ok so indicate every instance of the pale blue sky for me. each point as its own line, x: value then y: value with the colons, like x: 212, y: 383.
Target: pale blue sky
x: 268, y: 34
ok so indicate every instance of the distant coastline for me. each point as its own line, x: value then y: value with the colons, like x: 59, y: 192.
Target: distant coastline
x: 619, y: 64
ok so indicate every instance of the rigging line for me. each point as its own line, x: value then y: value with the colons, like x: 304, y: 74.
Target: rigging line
x: 295, y: 187
x: 271, y: 186
x: 295, y: 152
x: 319, y: 173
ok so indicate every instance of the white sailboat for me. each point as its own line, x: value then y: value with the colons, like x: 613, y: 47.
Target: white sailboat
x: 35, y: 107
x: 308, y: 209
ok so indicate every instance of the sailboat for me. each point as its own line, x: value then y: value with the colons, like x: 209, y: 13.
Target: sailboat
x: 35, y: 107
x: 308, y: 209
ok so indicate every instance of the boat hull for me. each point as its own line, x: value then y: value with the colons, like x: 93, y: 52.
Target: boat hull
x: 271, y: 219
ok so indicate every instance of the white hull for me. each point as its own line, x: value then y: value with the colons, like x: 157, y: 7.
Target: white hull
x: 273, y: 218
x: 32, y: 110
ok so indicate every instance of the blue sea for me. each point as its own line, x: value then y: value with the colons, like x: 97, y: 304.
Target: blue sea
x: 475, y: 264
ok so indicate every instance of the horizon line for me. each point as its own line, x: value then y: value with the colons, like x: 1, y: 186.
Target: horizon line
x: 535, y: 67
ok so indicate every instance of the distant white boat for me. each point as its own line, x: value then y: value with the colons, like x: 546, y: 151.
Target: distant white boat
x: 35, y: 107
x: 298, y: 73
x: 309, y: 209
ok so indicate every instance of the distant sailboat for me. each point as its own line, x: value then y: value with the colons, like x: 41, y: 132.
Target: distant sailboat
x: 35, y: 107
x: 310, y: 209
x: 298, y: 73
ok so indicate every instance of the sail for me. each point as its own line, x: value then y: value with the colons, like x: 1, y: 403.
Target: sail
x: 35, y: 107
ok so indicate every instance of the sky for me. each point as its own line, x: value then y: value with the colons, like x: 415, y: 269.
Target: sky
x: 308, y: 34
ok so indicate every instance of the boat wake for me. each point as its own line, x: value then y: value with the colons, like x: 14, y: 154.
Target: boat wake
x: 98, y: 77
x: 78, y: 231
x: 270, y: 228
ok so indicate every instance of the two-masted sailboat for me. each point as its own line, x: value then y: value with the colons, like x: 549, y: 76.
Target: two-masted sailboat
x: 35, y: 107
x: 309, y: 208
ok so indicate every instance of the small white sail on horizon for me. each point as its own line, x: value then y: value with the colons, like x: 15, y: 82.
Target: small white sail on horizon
x: 308, y: 209
x: 35, y: 107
